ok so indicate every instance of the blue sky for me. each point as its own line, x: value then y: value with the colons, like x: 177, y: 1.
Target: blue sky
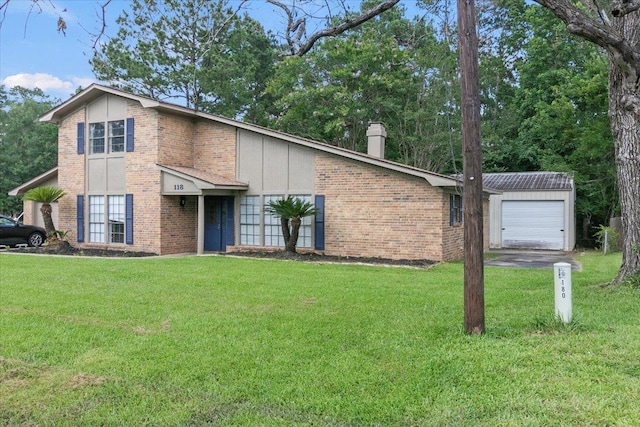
x: 34, y: 54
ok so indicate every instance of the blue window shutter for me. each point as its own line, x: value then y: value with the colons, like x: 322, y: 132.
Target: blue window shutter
x: 80, y: 138
x: 230, y: 233
x: 319, y: 222
x: 128, y: 219
x: 451, y: 209
x: 80, y: 218
x: 130, y: 134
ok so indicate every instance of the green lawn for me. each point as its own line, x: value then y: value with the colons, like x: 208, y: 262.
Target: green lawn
x: 221, y: 341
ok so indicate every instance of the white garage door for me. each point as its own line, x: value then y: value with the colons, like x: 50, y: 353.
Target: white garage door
x: 533, y: 224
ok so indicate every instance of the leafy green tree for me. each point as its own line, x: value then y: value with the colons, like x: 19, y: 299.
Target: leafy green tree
x: 390, y: 69
x: 27, y: 147
x: 46, y: 195
x: 503, y: 34
x: 199, y: 51
x: 613, y: 26
x: 290, y: 211
x: 548, y: 112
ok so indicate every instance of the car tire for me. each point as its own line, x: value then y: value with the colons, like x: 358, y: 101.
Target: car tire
x: 35, y: 239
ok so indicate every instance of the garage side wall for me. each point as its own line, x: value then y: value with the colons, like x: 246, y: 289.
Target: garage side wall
x: 495, y: 213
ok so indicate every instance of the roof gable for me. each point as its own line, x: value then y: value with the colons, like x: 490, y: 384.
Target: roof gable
x: 35, y: 182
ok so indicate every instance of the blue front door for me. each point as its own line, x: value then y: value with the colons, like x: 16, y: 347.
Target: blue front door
x: 215, y: 218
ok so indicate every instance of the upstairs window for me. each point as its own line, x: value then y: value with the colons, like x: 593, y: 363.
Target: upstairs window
x: 116, y: 136
x: 113, y: 140
x: 96, y: 138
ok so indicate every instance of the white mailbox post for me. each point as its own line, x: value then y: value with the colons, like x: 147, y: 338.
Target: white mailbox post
x: 562, y: 274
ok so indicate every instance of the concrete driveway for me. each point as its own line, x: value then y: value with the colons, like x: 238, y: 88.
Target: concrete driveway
x: 529, y: 259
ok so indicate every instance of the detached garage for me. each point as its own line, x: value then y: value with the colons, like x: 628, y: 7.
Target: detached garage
x: 534, y: 211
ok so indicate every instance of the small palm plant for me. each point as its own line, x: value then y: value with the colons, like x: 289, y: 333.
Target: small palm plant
x: 290, y: 211
x: 45, y: 195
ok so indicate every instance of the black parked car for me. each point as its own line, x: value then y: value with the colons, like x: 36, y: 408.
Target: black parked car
x: 12, y: 233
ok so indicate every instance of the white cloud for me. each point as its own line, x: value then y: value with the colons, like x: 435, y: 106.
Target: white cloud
x: 46, y: 82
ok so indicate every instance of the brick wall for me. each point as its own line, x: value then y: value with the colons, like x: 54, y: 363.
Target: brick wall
x: 71, y: 173
x: 143, y: 180
x: 452, y: 235
x: 179, y: 225
x: 215, y: 148
x: 373, y: 212
x: 175, y: 140
x: 161, y: 225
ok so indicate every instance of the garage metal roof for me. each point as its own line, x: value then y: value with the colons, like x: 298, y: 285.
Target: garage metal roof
x: 509, y: 181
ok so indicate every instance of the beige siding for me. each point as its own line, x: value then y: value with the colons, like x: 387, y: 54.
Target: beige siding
x: 300, y: 169
x: 271, y: 166
x: 275, y: 166
x: 250, y: 161
x: 116, y: 174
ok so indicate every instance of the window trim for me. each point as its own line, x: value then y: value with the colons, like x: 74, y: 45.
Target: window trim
x: 257, y: 235
x: 124, y: 137
x: 100, y: 223
x: 250, y: 231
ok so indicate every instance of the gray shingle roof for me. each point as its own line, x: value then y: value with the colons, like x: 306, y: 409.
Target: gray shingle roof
x: 507, y: 181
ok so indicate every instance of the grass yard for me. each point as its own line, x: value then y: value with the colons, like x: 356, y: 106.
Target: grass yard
x: 239, y: 342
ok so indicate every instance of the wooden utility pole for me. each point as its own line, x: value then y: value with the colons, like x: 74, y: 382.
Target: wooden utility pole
x: 472, y: 170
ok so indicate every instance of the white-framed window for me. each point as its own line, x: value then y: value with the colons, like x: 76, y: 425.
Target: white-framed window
x: 96, y: 219
x: 257, y: 227
x: 272, y: 228
x: 113, y: 141
x: 116, y: 136
x: 115, y: 213
x: 96, y: 138
x: 304, y: 236
x: 250, y: 220
x: 107, y: 221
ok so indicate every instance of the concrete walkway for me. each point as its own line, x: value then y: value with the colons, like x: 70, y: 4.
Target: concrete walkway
x: 529, y: 259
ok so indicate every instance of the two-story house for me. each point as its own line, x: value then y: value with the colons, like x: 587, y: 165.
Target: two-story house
x: 145, y: 175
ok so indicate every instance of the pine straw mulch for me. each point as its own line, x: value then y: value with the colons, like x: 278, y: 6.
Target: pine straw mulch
x: 64, y: 248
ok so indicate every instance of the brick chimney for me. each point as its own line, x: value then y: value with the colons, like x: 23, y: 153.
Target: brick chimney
x: 376, y: 135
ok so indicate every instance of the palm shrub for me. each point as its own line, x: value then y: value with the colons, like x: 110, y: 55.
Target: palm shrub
x: 290, y: 211
x: 45, y: 195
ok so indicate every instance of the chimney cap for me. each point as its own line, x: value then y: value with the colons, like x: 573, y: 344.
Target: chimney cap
x: 376, y: 129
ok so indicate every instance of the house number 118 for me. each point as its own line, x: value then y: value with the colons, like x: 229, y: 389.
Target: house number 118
x: 178, y: 187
